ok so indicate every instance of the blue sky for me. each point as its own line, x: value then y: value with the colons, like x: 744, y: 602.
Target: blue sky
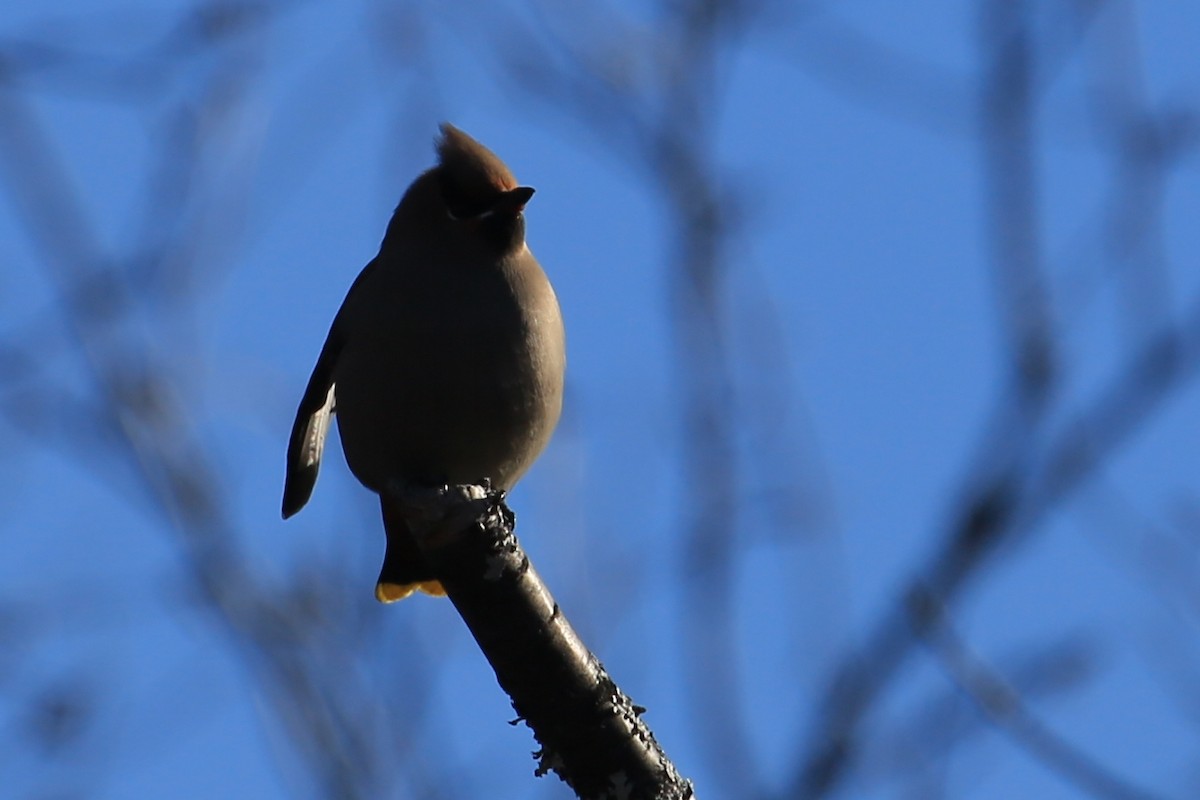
x: 868, y: 353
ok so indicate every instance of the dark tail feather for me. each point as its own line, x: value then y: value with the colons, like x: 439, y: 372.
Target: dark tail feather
x: 404, y: 570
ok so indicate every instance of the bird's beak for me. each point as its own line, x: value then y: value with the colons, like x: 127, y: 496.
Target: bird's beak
x: 514, y: 200
x: 510, y: 203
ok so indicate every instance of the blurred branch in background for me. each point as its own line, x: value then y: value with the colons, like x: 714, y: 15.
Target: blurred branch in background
x: 141, y: 406
x: 918, y: 750
x: 1003, y: 703
x: 1026, y: 468
x: 111, y: 370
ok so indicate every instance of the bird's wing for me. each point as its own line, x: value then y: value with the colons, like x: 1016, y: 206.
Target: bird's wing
x: 312, y: 417
x: 309, y: 429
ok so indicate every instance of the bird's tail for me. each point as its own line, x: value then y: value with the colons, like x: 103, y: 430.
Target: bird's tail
x: 404, y: 570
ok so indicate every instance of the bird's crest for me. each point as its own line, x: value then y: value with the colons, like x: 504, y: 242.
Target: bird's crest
x: 475, y: 172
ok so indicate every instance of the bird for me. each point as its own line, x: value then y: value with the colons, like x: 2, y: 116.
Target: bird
x: 445, y: 363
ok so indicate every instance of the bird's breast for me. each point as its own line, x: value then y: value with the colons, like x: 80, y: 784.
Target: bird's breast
x: 450, y: 376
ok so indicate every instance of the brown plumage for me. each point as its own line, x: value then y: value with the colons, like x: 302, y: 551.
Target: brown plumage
x: 445, y: 362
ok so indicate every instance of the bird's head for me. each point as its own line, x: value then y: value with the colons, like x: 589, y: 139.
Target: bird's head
x: 470, y: 195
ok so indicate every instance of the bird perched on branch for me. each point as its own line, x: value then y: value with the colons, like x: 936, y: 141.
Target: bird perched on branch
x: 445, y: 362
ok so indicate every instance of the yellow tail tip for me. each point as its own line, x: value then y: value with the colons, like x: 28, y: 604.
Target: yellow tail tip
x: 391, y: 592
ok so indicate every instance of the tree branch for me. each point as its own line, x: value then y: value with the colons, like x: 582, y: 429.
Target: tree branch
x: 591, y: 733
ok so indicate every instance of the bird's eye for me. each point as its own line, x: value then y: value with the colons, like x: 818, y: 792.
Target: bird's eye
x: 458, y: 204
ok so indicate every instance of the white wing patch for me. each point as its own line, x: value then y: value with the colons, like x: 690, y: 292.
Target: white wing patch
x: 314, y: 433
